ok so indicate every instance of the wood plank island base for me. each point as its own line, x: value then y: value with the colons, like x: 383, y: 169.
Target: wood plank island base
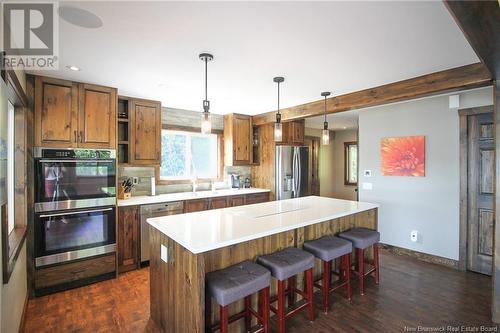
x: 197, y: 243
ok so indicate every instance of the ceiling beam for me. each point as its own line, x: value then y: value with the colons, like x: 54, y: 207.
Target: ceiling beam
x: 465, y: 77
x: 480, y: 23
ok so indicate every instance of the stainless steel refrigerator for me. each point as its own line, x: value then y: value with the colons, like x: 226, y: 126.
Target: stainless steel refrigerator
x: 292, y: 172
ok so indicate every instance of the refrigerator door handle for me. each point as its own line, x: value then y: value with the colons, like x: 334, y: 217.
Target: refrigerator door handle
x: 295, y: 173
x: 299, y: 174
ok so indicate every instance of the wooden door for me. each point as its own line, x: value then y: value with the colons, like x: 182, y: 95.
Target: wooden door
x: 242, y: 139
x: 216, y: 203
x: 97, y: 117
x: 481, y: 162
x: 191, y: 206
x: 128, y: 238
x: 145, y: 141
x: 297, y: 129
x: 56, y: 108
x: 313, y: 185
x: 235, y: 201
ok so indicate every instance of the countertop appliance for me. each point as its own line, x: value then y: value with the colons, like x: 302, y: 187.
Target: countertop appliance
x: 292, y: 171
x: 75, y: 198
x: 155, y: 210
x: 235, y: 181
x: 74, y: 178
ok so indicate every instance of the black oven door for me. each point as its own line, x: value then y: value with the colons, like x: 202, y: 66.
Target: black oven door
x: 71, y: 184
x: 70, y: 235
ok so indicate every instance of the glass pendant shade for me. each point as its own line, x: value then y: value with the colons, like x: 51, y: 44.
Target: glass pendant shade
x: 206, y: 123
x: 278, y: 132
x: 325, y: 138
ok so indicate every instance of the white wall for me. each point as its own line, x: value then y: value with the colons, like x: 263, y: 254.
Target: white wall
x: 428, y: 204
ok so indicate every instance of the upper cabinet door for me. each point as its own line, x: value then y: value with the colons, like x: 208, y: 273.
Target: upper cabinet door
x: 56, y: 108
x: 97, y: 117
x: 146, y: 132
x: 237, y: 139
x: 242, y: 128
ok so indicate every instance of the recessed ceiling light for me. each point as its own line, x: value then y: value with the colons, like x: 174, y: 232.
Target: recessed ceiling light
x: 345, y: 127
x: 73, y: 68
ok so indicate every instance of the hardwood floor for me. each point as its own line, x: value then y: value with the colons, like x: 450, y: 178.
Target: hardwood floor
x: 411, y: 293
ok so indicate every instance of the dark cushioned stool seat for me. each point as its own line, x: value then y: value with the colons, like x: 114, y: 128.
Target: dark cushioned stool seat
x: 236, y: 282
x: 287, y: 263
x: 329, y: 247
x: 361, y: 238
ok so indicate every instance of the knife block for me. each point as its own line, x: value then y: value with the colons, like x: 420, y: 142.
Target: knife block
x: 122, y: 195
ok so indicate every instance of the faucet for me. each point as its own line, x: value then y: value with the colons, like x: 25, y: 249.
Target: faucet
x: 194, y: 180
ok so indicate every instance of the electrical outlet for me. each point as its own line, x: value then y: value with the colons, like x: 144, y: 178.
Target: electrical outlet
x: 164, y: 253
x: 414, y: 236
x: 135, y: 180
x: 367, y: 173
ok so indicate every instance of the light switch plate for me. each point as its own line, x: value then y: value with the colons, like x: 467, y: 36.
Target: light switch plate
x: 164, y: 253
x: 367, y: 186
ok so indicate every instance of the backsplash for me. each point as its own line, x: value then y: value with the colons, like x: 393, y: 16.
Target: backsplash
x: 144, y: 175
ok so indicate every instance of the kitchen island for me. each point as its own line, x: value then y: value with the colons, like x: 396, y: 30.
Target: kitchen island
x: 185, y: 247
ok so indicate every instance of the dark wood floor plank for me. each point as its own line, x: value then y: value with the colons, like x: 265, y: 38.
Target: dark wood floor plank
x: 411, y: 293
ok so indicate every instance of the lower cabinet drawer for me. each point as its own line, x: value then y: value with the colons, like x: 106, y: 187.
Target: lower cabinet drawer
x: 55, y: 275
x: 257, y: 198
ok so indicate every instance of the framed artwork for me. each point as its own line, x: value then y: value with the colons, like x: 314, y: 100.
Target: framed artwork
x: 403, y: 156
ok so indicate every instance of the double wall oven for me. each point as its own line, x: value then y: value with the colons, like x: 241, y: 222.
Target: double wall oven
x: 75, y: 198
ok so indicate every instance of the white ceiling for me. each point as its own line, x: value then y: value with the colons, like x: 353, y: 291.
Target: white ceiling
x: 337, y: 121
x: 150, y: 49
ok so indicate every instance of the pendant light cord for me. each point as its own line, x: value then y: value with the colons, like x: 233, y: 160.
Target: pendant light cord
x: 278, y: 97
x: 206, y: 78
x: 325, y: 108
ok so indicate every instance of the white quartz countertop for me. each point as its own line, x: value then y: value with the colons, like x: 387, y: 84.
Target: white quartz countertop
x: 181, y: 196
x: 212, y: 229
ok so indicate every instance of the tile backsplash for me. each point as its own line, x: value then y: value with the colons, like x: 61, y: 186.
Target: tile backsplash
x: 144, y: 174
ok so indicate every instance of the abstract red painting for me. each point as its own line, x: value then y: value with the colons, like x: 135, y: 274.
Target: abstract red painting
x: 403, y: 156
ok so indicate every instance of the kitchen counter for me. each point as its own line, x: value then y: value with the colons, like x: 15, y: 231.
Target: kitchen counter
x: 185, y: 247
x: 183, y: 196
x: 209, y: 230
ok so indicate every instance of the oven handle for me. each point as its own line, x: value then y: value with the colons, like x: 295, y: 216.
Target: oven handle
x: 78, y: 212
x: 76, y: 161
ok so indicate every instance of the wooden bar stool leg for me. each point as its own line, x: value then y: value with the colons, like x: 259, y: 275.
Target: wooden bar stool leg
x: 281, y: 306
x: 327, y: 267
x: 309, y: 292
x: 361, y: 270
x: 376, y: 262
x: 208, y: 312
x: 264, y: 309
x: 347, y: 263
x: 291, y: 291
x: 248, y: 315
x: 224, y: 319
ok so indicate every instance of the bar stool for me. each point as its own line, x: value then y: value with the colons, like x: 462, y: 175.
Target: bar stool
x: 234, y: 283
x: 327, y: 249
x: 285, y: 265
x: 363, y: 238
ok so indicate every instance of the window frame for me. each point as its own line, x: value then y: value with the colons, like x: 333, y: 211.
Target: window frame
x: 347, y: 145
x: 220, y: 142
x: 13, y: 242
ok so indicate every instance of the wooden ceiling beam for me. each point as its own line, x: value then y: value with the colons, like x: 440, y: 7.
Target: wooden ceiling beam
x: 459, y: 78
x: 480, y: 24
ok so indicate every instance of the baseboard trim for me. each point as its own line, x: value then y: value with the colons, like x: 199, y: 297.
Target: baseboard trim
x: 23, y: 315
x: 430, y: 258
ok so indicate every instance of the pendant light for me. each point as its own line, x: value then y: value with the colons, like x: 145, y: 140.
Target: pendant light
x: 206, y: 118
x: 326, y: 133
x: 278, y: 127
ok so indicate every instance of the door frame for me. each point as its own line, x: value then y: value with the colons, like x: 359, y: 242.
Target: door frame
x: 464, y: 197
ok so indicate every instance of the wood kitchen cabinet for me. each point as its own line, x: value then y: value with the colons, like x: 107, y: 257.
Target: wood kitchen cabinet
x: 257, y: 198
x: 128, y: 234
x: 216, y: 203
x: 145, y: 132
x: 56, y: 110
x: 293, y: 132
x: 238, y: 133
x: 236, y: 200
x: 70, y: 114
x: 191, y: 206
